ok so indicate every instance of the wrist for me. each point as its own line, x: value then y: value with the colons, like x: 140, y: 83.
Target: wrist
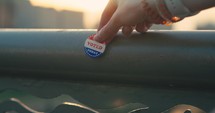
x: 172, y: 10
x: 177, y: 8
x: 165, y: 13
x: 151, y: 12
x: 162, y: 11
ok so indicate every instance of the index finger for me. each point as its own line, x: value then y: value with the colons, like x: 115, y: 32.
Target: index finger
x: 107, y: 27
x: 107, y: 32
x: 107, y: 13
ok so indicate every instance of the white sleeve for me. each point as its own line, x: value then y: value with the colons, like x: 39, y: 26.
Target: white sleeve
x: 177, y: 8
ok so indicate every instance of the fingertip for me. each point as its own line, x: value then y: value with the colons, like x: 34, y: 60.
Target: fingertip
x: 98, y: 38
x: 103, y: 37
x: 143, y: 27
x: 127, y: 30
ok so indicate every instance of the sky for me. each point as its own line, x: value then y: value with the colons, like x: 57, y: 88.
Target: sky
x: 92, y: 10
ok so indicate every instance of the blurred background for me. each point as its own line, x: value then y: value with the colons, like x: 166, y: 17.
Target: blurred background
x: 78, y: 14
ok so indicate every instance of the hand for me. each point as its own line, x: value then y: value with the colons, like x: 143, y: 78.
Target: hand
x: 128, y: 15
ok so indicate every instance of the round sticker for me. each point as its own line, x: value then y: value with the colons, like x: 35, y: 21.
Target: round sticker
x: 92, y: 48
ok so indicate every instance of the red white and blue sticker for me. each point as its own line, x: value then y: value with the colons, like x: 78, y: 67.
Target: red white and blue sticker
x: 92, y: 48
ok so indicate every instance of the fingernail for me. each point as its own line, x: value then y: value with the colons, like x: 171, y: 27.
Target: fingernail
x: 96, y: 38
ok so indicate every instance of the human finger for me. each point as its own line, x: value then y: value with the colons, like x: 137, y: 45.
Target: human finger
x: 143, y: 27
x: 109, y: 30
x: 127, y: 30
x: 107, y: 13
x: 148, y: 25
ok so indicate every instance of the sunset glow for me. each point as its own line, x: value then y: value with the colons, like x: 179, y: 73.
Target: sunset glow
x: 92, y: 9
x: 75, y: 5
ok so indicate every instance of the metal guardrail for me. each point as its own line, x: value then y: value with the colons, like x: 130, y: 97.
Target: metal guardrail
x: 158, y: 57
x: 156, y: 70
